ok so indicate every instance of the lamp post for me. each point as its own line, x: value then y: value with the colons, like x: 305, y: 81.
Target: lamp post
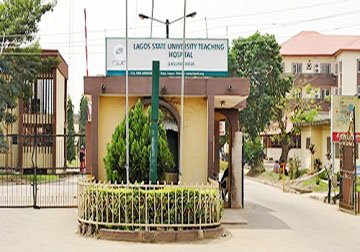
x: 167, y: 23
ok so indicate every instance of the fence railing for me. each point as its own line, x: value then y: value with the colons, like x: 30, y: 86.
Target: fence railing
x: 148, y: 207
x: 35, y: 171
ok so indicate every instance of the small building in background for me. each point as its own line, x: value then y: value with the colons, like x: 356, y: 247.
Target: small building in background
x: 42, y: 115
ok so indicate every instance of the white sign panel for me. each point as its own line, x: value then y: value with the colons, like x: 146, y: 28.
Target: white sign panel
x: 342, y: 109
x: 202, y: 57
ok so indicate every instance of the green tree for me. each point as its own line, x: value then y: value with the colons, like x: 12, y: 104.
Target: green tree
x: 83, y: 113
x: 20, y: 61
x: 258, y: 58
x: 140, y: 148
x: 70, y: 131
x: 253, y: 150
x: 294, y: 109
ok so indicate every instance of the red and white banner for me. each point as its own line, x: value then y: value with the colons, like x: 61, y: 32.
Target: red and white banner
x: 337, y: 136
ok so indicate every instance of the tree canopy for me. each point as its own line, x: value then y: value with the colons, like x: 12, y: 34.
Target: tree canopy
x: 297, y: 107
x: 20, y: 61
x: 258, y: 58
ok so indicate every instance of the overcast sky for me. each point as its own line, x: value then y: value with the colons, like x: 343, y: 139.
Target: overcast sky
x: 63, y: 29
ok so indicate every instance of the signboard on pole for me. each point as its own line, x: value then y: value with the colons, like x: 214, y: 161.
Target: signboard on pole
x: 207, y: 57
x: 342, y: 109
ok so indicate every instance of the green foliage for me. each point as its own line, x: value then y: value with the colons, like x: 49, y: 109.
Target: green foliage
x: 294, y: 168
x: 224, y: 139
x: 163, y: 205
x: 294, y: 109
x: 258, y: 58
x: 20, y: 61
x: 317, y: 165
x: 83, y: 113
x: 140, y: 148
x: 253, y: 152
x: 21, y: 17
x: 323, y: 175
x: 70, y: 131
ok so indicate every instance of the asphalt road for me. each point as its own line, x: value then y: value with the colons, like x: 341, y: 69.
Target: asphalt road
x: 276, y: 222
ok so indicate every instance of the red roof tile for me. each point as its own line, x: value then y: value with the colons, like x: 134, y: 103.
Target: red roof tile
x: 314, y: 43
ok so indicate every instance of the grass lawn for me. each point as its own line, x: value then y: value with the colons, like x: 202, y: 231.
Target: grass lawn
x: 308, y: 185
x: 311, y: 184
x: 269, y: 176
x: 28, y: 178
x: 73, y: 163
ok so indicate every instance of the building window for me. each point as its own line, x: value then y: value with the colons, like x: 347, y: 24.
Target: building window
x: 42, y: 100
x: 324, y: 93
x: 328, y: 145
x: 337, y: 150
x: 358, y: 65
x: 325, y: 68
x: 296, y: 68
x: 308, y: 66
x: 336, y: 68
x: 307, y: 142
x: 296, y: 142
x: 340, y: 67
x: 316, y: 68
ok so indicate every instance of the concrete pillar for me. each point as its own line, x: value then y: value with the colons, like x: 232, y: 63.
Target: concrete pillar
x: 217, y: 149
x: 236, y: 171
x: 211, y: 118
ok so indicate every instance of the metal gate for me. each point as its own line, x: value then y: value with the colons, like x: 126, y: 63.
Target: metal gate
x: 348, y: 175
x: 37, y: 170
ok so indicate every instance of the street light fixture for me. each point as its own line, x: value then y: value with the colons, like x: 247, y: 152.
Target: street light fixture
x: 167, y: 22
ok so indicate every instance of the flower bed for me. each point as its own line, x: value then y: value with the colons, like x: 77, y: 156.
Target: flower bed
x: 148, y: 207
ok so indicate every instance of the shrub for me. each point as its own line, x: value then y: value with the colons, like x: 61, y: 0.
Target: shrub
x: 135, y: 207
x: 140, y: 149
x: 294, y: 167
x: 317, y: 165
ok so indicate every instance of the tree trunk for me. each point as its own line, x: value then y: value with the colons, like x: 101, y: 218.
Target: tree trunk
x: 285, y: 148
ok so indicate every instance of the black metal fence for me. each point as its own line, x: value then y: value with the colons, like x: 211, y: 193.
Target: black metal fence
x: 41, y: 170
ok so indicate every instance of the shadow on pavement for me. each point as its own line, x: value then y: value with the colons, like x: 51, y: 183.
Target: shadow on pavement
x: 260, y: 217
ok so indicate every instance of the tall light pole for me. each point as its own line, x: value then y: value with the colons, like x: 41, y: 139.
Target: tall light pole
x: 182, y: 95
x: 167, y: 23
x: 127, y: 166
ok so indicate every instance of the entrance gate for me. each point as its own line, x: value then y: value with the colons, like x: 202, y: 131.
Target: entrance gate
x: 347, y: 175
x: 34, y: 171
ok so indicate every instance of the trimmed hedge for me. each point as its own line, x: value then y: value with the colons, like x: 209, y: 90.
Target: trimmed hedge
x: 125, y: 208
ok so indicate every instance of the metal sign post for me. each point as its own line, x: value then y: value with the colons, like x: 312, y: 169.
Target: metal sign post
x: 154, y: 120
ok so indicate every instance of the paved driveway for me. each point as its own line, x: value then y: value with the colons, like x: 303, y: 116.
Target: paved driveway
x: 276, y: 222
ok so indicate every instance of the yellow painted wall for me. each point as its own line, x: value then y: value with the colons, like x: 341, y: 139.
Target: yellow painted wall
x: 111, y: 113
x: 318, y: 135
x: 60, y: 118
x: 195, y: 150
x: 305, y: 153
x: 12, y: 157
x: 60, y: 93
